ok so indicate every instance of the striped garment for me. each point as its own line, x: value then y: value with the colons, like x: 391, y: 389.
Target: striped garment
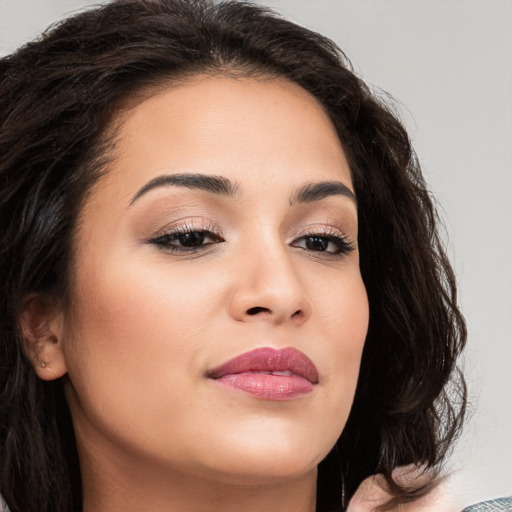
x: 501, y: 505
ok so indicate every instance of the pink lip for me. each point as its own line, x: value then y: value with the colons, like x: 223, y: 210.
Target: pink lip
x: 254, y: 373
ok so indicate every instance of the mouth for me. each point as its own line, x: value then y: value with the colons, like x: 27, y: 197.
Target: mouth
x: 268, y: 374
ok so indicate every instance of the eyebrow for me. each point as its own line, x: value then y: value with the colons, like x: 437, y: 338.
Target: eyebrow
x: 220, y: 185
x: 316, y: 191
x: 214, y: 184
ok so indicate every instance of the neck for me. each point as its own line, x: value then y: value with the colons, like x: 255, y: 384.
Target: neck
x: 113, y: 481
x: 135, y: 489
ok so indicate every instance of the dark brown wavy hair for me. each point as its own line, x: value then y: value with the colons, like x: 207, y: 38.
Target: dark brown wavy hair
x: 59, y: 97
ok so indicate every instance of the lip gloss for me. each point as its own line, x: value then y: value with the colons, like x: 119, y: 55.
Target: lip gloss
x: 269, y: 374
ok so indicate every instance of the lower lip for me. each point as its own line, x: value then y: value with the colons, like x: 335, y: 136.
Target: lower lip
x: 268, y: 387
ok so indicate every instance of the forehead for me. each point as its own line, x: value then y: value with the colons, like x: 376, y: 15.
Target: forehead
x: 240, y: 128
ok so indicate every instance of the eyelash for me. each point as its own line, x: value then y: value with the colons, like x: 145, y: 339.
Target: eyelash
x: 330, y: 235
x: 326, y: 235
x: 165, y: 240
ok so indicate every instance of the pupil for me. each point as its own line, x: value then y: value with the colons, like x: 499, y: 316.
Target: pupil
x: 315, y: 243
x: 192, y: 239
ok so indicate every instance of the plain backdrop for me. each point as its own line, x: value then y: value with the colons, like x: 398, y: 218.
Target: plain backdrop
x: 448, y: 64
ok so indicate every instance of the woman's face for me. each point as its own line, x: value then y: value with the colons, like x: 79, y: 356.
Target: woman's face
x: 226, y: 226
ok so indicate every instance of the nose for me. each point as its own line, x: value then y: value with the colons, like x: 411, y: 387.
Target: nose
x: 268, y: 287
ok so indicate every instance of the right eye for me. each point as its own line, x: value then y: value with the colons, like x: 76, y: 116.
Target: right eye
x: 185, y: 240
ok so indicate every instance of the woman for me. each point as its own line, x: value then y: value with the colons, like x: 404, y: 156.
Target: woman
x: 222, y: 283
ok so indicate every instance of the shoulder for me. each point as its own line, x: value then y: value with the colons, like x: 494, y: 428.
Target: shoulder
x: 372, y: 493
x: 499, y: 505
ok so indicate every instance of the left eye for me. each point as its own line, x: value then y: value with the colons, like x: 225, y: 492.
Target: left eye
x: 186, y: 240
x: 322, y: 243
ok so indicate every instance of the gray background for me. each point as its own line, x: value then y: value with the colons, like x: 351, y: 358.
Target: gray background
x: 448, y: 63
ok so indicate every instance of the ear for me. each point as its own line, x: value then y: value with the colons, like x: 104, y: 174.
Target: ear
x: 42, y: 325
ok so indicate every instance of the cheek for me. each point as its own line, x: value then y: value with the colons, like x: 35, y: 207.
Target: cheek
x: 134, y: 341
x: 135, y: 306
x: 344, y: 323
x: 343, y: 314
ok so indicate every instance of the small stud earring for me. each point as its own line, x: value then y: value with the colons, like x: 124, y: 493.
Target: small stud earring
x: 43, y: 364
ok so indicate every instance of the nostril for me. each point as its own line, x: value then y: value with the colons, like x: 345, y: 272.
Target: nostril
x: 257, y: 309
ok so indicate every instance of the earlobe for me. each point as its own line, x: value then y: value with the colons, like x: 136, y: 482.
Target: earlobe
x: 42, y: 327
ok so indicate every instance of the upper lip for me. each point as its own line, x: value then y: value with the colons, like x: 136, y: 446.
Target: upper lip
x: 271, y: 360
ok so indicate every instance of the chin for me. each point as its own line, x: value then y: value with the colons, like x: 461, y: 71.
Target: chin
x: 264, y: 458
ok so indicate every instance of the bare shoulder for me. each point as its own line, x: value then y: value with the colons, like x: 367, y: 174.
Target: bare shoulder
x: 372, y: 493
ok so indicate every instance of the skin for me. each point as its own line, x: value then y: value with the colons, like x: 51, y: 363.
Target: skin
x: 373, y: 493
x: 146, y: 323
